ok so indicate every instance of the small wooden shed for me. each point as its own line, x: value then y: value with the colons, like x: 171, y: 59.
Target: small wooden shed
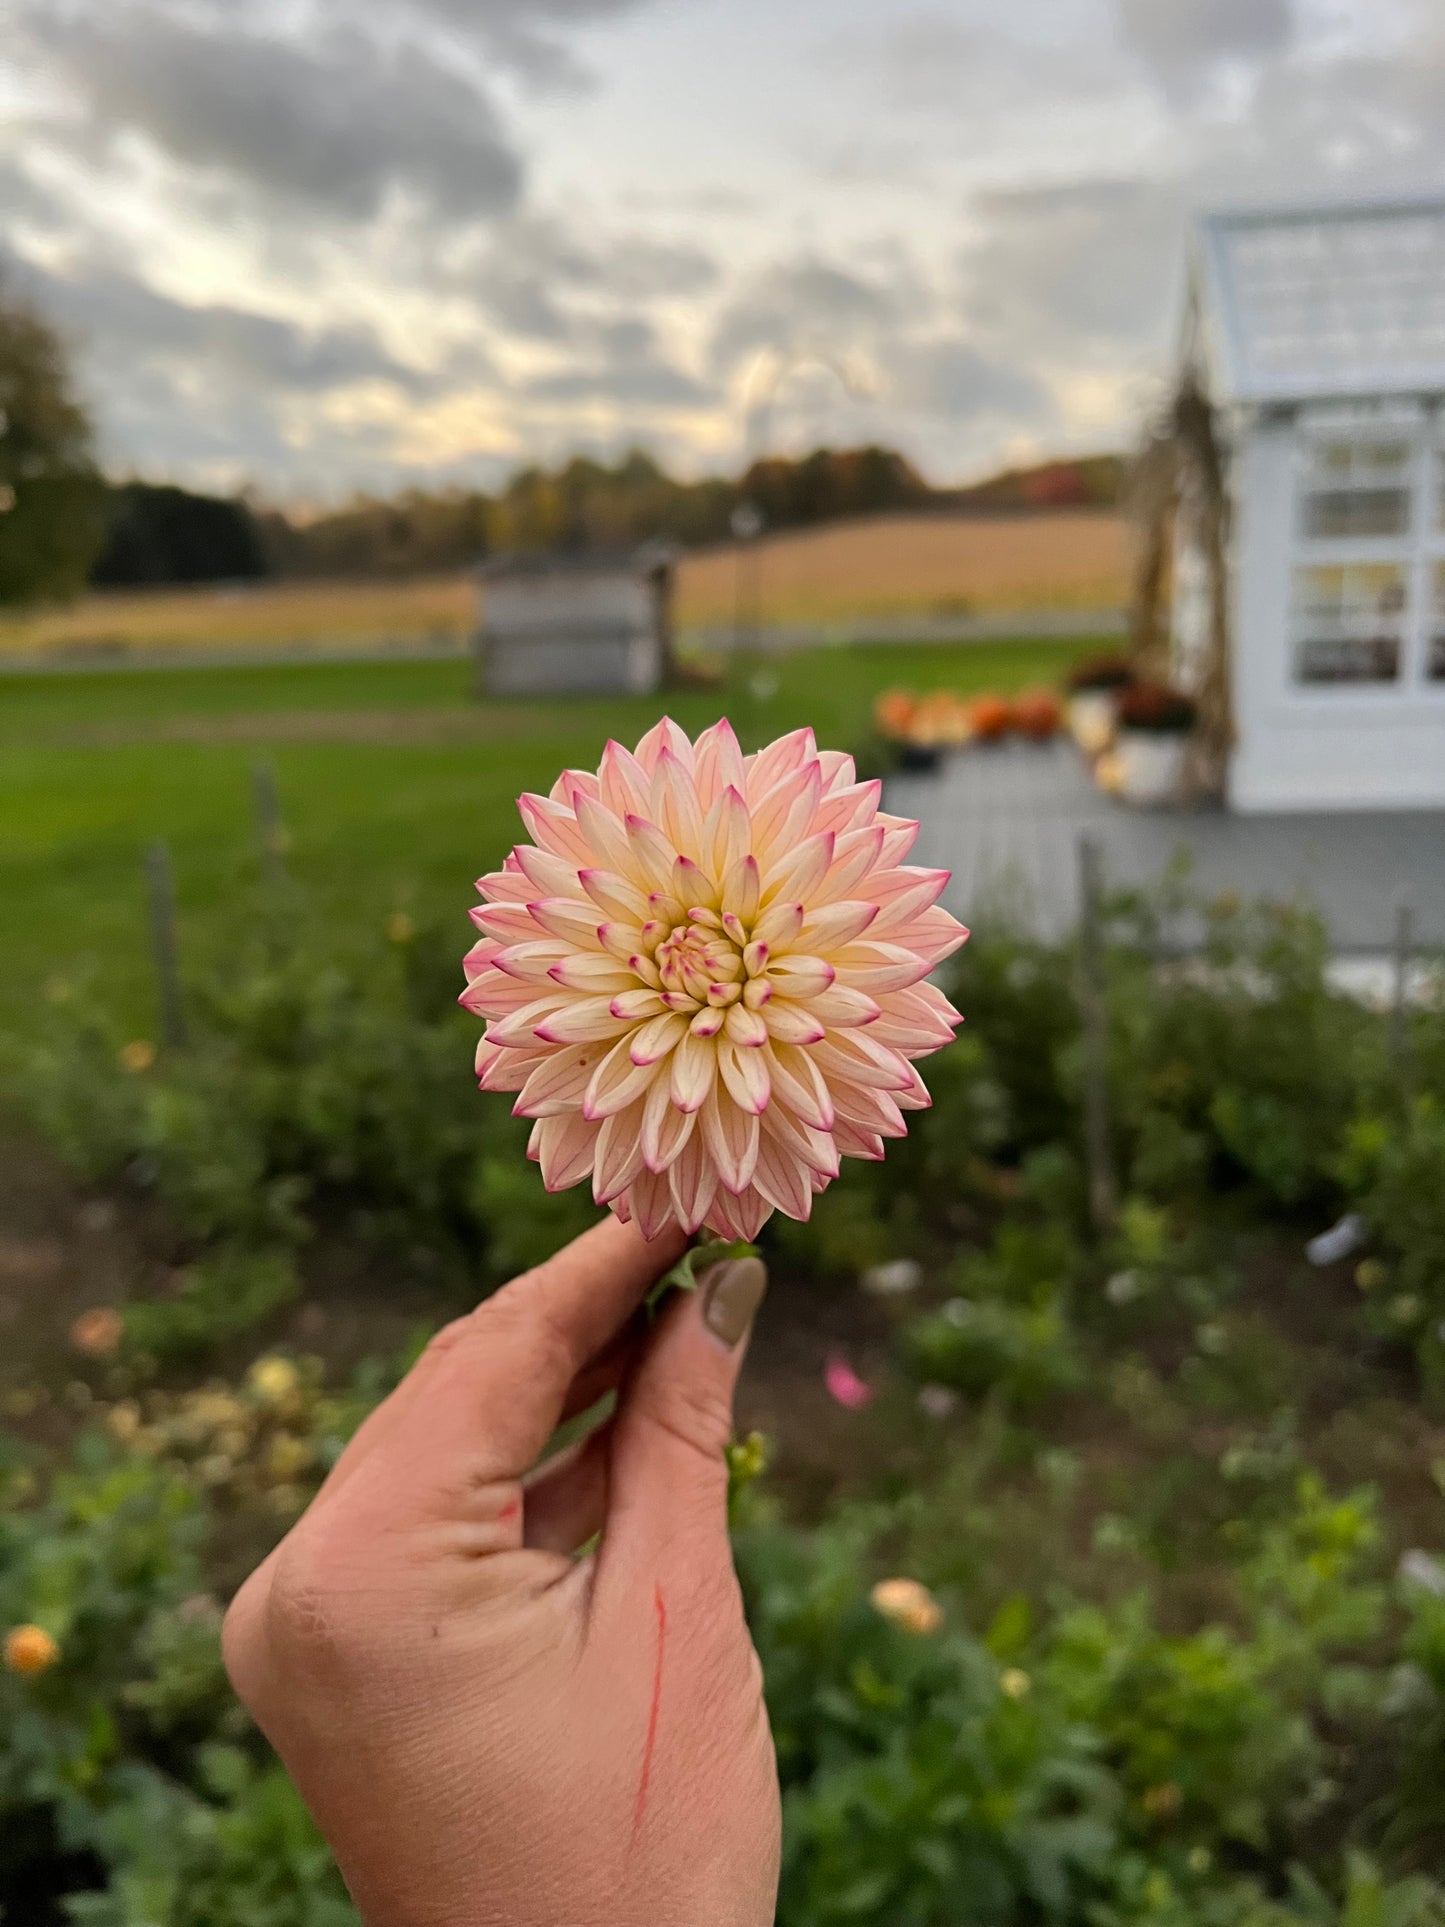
x: 1303, y: 469
x: 575, y: 623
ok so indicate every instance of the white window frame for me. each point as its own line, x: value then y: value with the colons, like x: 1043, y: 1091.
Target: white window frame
x: 1416, y: 552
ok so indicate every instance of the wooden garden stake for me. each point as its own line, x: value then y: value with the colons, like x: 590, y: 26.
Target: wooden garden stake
x: 270, y: 830
x: 164, y: 945
x: 1400, y: 1003
x: 1103, y: 1191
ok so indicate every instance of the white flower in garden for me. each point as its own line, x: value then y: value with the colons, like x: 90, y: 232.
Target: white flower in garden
x: 705, y: 977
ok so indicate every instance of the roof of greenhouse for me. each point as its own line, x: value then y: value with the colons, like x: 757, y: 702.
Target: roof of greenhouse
x: 1316, y: 303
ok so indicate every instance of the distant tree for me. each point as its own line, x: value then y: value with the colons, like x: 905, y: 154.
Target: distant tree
x: 160, y: 534
x: 51, y: 494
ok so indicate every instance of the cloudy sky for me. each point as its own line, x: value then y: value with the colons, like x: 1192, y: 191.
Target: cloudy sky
x: 325, y: 244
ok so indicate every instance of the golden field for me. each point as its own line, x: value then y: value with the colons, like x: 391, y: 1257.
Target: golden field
x: 924, y: 565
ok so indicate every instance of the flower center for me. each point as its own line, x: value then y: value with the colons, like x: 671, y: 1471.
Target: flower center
x: 695, y: 961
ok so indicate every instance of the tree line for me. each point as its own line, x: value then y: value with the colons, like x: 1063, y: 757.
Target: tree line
x: 64, y: 526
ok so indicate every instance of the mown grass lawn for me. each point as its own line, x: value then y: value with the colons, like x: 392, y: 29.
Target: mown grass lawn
x: 397, y: 788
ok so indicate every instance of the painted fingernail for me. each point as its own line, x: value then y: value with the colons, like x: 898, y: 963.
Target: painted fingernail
x: 732, y: 1293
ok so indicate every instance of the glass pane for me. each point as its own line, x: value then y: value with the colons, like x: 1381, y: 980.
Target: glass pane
x: 1349, y: 622
x: 1336, y: 514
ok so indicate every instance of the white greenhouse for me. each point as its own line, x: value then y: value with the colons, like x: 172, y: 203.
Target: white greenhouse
x: 1309, y: 558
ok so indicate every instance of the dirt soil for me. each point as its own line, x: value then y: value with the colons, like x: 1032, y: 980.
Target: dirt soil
x: 66, y: 1250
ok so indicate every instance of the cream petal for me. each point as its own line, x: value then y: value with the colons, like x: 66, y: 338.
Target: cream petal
x: 841, y: 1007
x: 652, y: 856
x: 781, y: 1180
x: 589, y: 970
x: 717, y: 763
x: 616, y: 1083
x: 904, y: 893
x: 637, y: 1005
x: 855, y: 1143
x: 798, y: 1085
x: 731, y: 1137
x: 550, y: 876
x: 618, y: 1158
x: 782, y: 817
x: 505, y: 886
x: 849, y: 809
x: 694, y: 1071
x: 815, y: 1149
x: 481, y: 957
x: 675, y: 808
x: 622, y: 781
x: 742, y: 889
x: 855, y: 856
x: 569, y: 918
x: 746, y: 1028
x: 855, y: 1057
x: 518, y: 1028
x: 799, y: 975
x: 553, y: 827
x: 878, y: 967
x: 650, y: 1202
x: 798, y: 870
x: 652, y: 1040
x: 778, y: 926
x: 582, y: 1020
x: 531, y: 961
x: 790, y: 1023
x: 497, y: 996
x: 692, y: 1181
x: 665, y: 1129
x: 559, y: 1081
x: 831, y: 925
x: 867, y: 1110
x: 615, y: 896
x: 607, y: 838
x: 746, y: 1075
x: 509, y: 922
x: 770, y: 765
x: 739, y: 1217
x: 502, y: 1070
x: 565, y: 1149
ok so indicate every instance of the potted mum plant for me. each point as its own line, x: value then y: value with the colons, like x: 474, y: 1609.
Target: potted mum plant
x: 1154, y: 725
x: 1095, y: 686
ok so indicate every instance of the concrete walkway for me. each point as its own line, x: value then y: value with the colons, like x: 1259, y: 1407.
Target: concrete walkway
x: 1006, y: 820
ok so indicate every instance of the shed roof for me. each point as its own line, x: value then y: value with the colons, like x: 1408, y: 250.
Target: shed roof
x: 1318, y: 303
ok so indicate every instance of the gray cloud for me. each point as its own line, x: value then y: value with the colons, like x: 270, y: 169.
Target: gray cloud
x: 121, y: 324
x: 1087, y: 273
x: 528, y: 35
x: 335, y: 122
x: 803, y: 303
x: 953, y: 378
x: 626, y: 366
x: 1183, y: 41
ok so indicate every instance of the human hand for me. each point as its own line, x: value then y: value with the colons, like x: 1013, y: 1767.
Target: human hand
x: 490, y: 1730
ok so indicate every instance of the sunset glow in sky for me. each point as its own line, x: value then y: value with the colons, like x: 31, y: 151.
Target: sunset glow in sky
x: 337, y: 243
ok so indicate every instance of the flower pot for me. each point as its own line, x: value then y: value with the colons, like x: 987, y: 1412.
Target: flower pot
x: 1091, y: 719
x: 1151, y: 765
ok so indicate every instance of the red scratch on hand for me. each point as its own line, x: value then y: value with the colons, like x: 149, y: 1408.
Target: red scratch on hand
x: 650, y: 1743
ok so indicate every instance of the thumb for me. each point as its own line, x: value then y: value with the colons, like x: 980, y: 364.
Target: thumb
x: 669, y: 1475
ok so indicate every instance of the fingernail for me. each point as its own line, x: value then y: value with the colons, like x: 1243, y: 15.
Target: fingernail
x: 732, y: 1293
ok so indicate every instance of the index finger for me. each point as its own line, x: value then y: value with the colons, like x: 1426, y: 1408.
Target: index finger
x: 490, y: 1390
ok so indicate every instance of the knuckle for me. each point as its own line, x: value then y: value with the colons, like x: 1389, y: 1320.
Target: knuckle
x: 446, y: 1340
x: 697, y: 1415
x: 310, y: 1621
x: 242, y: 1646
x: 522, y: 1314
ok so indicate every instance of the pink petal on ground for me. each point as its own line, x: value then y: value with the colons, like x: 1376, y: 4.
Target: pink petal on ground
x: 844, y: 1384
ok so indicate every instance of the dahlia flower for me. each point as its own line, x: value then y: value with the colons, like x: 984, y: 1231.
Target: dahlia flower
x: 704, y: 977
